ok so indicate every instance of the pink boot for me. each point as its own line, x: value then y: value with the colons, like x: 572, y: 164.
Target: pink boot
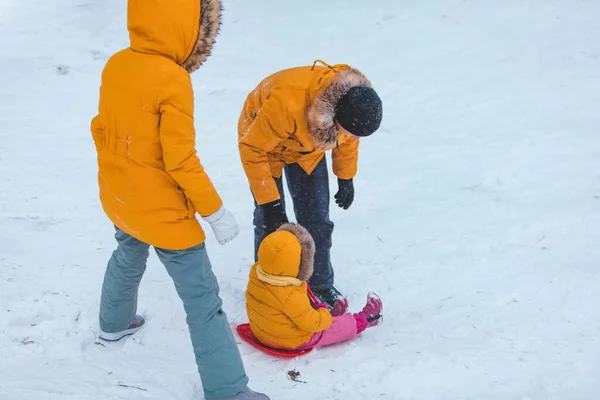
x: 371, y: 313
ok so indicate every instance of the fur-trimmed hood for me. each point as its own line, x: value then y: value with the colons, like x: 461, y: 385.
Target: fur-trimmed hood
x: 210, y: 23
x: 279, y: 309
x: 307, y: 244
x: 321, y: 111
x: 288, y: 252
x: 182, y: 30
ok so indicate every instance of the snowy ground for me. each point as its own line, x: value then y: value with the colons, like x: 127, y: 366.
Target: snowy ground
x: 477, y: 216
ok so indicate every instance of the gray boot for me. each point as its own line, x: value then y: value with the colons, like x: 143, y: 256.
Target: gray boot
x: 248, y: 394
x: 134, y: 326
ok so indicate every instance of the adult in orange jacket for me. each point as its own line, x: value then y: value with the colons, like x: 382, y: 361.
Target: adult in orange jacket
x: 152, y: 183
x: 288, y: 122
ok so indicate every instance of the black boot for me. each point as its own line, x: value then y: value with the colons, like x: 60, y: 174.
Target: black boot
x: 334, y: 300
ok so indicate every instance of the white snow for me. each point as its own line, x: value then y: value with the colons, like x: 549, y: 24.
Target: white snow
x: 477, y: 212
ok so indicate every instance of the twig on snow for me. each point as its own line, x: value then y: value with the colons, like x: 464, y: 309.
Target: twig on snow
x: 26, y: 342
x: 472, y: 187
x: 542, y: 238
x: 131, y: 387
x: 293, y: 374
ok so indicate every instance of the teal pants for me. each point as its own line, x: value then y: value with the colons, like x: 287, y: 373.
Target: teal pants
x: 217, y: 356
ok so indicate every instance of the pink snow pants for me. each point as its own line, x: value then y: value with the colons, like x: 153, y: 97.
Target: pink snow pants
x: 343, y: 328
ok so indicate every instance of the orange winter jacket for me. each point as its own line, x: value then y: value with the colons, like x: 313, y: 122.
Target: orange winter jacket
x: 151, y: 180
x: 289, y: 118
x: 277, y: 302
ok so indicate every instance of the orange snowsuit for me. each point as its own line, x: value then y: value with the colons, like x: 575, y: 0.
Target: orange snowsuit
x: 277, y: 302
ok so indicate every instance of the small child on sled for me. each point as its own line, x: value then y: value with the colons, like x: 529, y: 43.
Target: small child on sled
x: 282, y: 311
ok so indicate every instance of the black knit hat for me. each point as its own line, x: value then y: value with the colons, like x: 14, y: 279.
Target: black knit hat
x: 359, y: 111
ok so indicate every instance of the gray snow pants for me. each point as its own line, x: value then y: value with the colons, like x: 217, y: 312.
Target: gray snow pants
x: 217, y: 356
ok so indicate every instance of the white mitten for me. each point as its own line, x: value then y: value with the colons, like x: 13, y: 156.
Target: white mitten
x: 224, y: 225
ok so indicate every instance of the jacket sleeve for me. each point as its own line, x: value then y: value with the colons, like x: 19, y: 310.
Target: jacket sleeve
x: 345, y: 159
x: 272, y: 124
x: 297, y: 307
x: 98, y: 131
x: 178, y: 141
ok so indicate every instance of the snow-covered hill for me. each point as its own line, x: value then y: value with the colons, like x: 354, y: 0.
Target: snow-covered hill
x: 477, y: 216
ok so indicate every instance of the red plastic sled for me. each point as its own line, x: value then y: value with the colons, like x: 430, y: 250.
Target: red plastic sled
x: 246, y: 334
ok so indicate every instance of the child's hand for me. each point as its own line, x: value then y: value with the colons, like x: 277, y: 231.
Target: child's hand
x: 224, y: 225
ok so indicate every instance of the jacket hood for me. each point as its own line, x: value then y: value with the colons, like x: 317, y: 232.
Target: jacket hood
x: 288, y: 252
x: 182, y: 30
x: 321, y: 111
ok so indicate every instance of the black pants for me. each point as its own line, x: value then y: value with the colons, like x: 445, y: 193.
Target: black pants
x: 310, y: 196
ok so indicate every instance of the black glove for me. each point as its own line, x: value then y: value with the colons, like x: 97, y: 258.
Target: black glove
x: 345, y: 195
x: 273, y: 216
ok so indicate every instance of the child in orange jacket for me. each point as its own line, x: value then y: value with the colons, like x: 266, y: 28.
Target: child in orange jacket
x: 282, y: 311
